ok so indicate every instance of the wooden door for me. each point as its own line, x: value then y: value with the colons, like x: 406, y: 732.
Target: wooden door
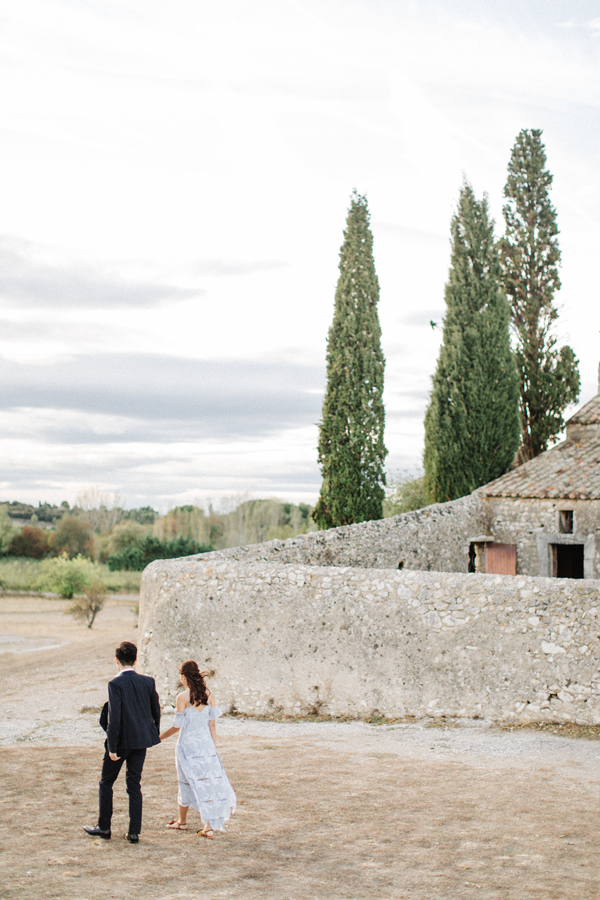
x: 500, y: 559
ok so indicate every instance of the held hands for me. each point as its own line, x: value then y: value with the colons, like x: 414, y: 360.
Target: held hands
x: 168, y: 733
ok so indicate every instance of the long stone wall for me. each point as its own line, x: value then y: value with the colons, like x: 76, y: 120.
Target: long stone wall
x: 353, y: 641
x: 435, y: 538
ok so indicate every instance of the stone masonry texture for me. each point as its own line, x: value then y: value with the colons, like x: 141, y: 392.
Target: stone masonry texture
x: 286, y: 634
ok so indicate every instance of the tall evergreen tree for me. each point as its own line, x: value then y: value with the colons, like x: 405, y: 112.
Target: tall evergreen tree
x: 351, y: 447
x: 549, y: 376
x: 472, y: 423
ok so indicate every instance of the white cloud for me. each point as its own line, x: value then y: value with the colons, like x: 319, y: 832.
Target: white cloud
x: 211, y: 152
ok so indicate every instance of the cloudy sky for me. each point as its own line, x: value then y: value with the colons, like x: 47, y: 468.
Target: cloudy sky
x: 175, y: 180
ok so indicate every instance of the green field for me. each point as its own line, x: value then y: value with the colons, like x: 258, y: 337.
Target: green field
x: 20, y: 574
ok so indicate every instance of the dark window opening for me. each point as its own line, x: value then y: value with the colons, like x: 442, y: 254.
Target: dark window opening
x: 471, y: 566
x: 565, y: 521
x: 567, y: 560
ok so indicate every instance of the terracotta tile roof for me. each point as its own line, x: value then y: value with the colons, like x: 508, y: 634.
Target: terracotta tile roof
x: 570, y: 470
x: 588, y: 414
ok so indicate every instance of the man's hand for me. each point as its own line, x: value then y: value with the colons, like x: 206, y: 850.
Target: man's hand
x: 114, y: 757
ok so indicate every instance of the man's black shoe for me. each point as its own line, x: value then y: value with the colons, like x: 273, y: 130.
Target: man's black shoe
x: 132, y: 838
x: 97, y: 832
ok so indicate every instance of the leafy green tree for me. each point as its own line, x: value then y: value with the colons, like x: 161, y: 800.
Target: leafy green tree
x: 127, y: 534
x: 549, y: 376
x: 145, y: 515
x: 403, y: 494
x: 7, y: 530
x: 351, y: 431
x: 72, y: 536
x: 472, y: 423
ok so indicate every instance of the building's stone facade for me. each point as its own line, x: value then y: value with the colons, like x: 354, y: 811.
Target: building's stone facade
x: 349, y: 641
x: 534, y: 526
x: 524, y: 506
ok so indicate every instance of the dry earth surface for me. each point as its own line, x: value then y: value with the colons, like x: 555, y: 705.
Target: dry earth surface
x: 326, y: 810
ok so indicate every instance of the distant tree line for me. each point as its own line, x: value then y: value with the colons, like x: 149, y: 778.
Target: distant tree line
x: 130, y: 539
x: 47, y: 512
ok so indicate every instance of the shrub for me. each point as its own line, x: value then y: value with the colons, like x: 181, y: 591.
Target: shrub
x: 66, y: 576
x: 88, y: 606
x: 30, y: 541
x: 137, y: 558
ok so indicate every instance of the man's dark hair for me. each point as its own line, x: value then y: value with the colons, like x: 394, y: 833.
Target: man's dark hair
x: 126, y: 653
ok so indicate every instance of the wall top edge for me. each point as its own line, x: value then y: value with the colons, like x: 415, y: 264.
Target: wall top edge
x: 172, y: 568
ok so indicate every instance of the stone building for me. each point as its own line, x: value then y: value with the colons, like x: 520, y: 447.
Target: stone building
x: 543, y: 517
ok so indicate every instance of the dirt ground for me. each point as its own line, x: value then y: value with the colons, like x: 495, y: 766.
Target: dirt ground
x: 326, y: 810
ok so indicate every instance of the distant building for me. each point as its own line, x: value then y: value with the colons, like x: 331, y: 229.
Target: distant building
x: 543, y: 517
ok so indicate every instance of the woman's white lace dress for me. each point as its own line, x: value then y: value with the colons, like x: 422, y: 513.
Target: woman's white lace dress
x: 203, y: 783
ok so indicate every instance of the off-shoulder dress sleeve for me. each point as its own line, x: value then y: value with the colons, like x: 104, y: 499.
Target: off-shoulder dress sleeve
x: 214, y: 712
x: 179, y: 720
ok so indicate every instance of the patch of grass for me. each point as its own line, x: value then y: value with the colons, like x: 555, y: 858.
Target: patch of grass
x: 376, y: 718
x: 121, y: 582
x: 566, y: 729
x: 21, y: 574
x: 443, y: 722
x: 278, y: 716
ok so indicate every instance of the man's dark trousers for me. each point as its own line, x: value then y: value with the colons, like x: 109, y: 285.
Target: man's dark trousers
x: 134, y: 760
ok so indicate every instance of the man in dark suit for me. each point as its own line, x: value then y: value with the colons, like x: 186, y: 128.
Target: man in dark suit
x: 131, y: 719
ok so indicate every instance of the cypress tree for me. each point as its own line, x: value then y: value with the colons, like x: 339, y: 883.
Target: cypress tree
x: 351, y: 447
x: 472, y: 423
x: 548, y: 376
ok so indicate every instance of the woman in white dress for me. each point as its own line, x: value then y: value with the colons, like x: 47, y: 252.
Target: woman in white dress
x: 203, y: 783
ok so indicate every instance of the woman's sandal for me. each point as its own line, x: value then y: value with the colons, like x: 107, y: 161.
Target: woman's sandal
x: 176, y: 824
x: 207, y: 833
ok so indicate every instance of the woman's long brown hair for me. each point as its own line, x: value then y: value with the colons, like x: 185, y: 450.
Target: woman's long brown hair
x: 195, y: 680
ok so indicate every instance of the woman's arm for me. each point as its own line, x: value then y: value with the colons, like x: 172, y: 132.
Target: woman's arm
x: 211, y: 725
x: 180, y: 706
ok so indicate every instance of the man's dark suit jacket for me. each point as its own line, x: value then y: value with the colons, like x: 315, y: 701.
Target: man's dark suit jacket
x: 133, y: 713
